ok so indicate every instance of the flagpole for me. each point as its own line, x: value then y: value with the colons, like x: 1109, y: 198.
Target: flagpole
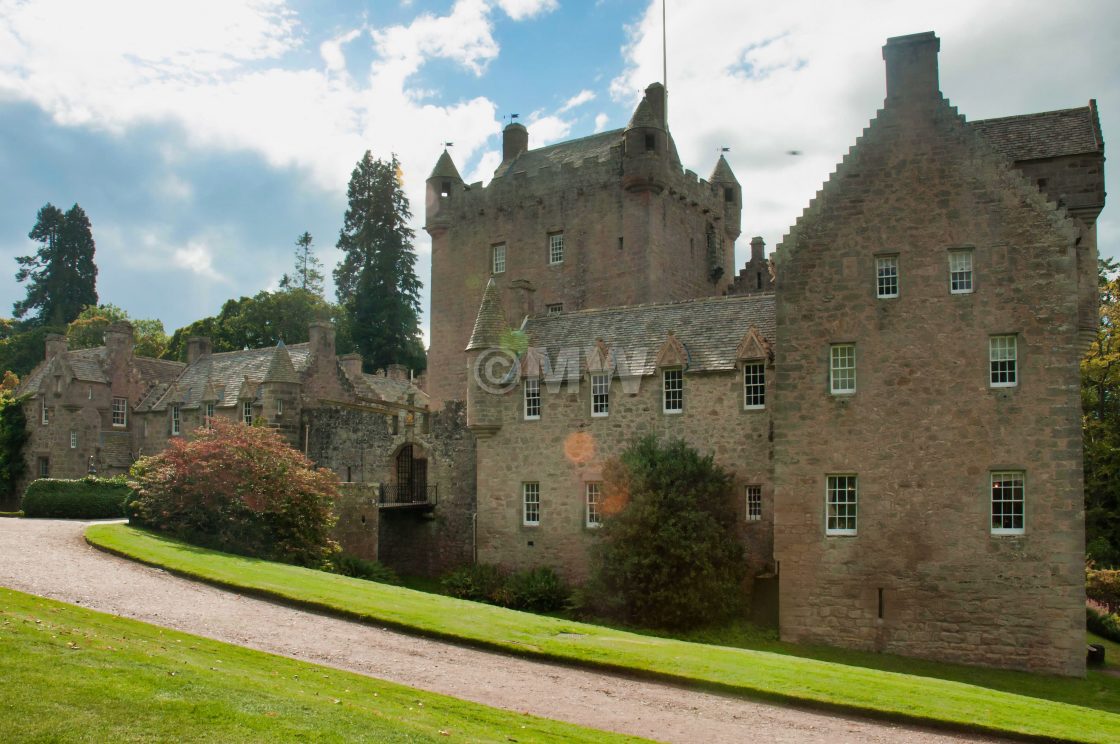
x: 665, y: 64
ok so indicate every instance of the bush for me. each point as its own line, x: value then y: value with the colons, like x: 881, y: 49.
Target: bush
x: 360, y: 568
x: 240, y: 489
x: 86, y: 498
x: 536, y: 590
x: 668, y: 554
x: 1103, y: 624
x: 1103, y: 587
x: 13, y: 438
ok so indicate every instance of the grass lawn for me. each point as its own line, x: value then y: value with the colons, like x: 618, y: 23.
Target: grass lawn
x: 71, y: 674
x: 997, y: 701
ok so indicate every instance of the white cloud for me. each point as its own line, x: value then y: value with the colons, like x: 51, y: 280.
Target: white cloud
x: 546, y: 129
x: 197, y: 258
x: 601, y: 121
x: 331, y: 50
x: 584, y: 96
x: 519, y: 10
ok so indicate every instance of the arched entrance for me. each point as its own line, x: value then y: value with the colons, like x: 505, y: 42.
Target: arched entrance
x: 412, y: 476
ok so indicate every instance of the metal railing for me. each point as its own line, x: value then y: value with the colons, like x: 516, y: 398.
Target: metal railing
x: 408, y: 493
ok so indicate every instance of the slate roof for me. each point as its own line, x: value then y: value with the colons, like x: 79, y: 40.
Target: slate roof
x: 573, y: 151
x: 89, y: 365
x: 1048, y: 134
x: 378, y: 387
x: 709, y: 328
x: 226, y: 372
x: 644, y: 117
x: 445, y: 168
x: 490, y: 322
x: 280, y: 367
x: 722, y: 173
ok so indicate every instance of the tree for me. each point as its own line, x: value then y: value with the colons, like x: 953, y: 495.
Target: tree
x: 241, y: 489
x: 1100, y: 401
x: 668, y: 554
x: 376, y: 278
x: 88, y: 330
x: 308, y: 274
x: 13, y: 437
x: 62, y: 275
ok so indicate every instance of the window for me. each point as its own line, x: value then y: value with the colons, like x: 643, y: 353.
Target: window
x: 1002, y: 357
x: 73, y: 439
x: 175, y: 421
x: 754, y: 385
x: 498, y: 258
x: 209, y: 411
x: 531, y: 501
x: 754, y: 503
x: 672, y: 399
x: 120, y: 411
x: 842, y: 503
x: 886, y: 276
x: 842, y: 368
x: 44, y: 411
x: 445, y: 189
x: 594, y: 493
x: 555, y: 308
x: 44, y: 467
x: 532, y: 398
x: 247, y: 412
x: 600, y: 394
x: 556, y: 248
x: 651, y: 142
x: 89, y: 393
x: 1007, y: 502
x: 960, y: 272
x: 279, y: 406
x: 728, y: 194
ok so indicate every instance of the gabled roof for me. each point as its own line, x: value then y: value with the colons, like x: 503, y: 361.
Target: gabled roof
x: 596, y: 146
x: 1048, y: 134
x: 90, y: 365
x: 710, y: 330
x: 379, y: 387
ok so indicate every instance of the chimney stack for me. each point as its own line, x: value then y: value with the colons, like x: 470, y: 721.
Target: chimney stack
x: 118, y: 339
x: 197, y: 348
x: 56, y: 344
x: 321, y: 335
x: 912, y: 67
x: 397, y: 372
x: 758, y: 249
x: 351, y: 364
x: 515, y: 140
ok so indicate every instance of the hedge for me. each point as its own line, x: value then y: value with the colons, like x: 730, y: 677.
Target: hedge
x: 86, y: 498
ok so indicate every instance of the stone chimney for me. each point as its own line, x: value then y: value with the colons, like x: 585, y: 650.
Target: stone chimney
x: 397, y: 372
x: 56, y: 344
x: 523, y: 302
x: 351, y: 364
x: 197, y: 348
x: 118, y: 339
x: 321, y: 334
x: 912, y: 67
x: 515, y: 140
x: 758, y: 249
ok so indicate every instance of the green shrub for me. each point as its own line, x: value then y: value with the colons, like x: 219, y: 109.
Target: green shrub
x: 668, y: 554
x: 1103, y: 587
x: 360, y: 568
x: 240, y: 489
x: 13, y: 438
x: 481, y: 582
x: 86, y: 498
x: 1103, y: 624
x: 11, y: 514
x: 537, y: 590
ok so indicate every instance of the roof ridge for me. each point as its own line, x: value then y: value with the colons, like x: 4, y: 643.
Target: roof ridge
x: 620, y: 131
x: 647, y: 305
x: 1071, y: 110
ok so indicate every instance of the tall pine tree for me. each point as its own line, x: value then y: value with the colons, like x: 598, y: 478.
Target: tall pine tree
x: 308, y: 274
x: 376, y: 279
x: 62, y: 275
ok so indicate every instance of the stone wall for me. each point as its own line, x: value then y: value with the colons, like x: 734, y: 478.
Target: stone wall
x: 567, y: 447
x: 357, y: 528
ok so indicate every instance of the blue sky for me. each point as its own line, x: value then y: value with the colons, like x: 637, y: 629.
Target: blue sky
x: 202, y: 138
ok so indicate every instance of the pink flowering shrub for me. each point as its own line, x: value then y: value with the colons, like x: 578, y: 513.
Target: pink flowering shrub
x: 240, y: 489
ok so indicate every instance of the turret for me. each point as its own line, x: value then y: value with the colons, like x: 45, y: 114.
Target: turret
x: 443, y: 186
x: 488, y: 367
x: 647, y: 144
x: 280, y: 393
x: 515, y: 140
x: 731, y: 194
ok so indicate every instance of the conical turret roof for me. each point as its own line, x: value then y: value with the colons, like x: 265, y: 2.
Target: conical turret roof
x: 722, y: 173
x: 445, y: 168
x: 281, y: 369
x: 491, y: 320
x: 644, y: 116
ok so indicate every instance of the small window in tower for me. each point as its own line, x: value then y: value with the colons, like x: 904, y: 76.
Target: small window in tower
x: 620, y: 242
x: 445, y: 189
x: 651, y: 142
x: 758, y: 280
x: 728, y: 194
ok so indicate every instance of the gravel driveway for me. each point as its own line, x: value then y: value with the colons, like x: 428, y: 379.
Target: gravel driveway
x: 50, y: 558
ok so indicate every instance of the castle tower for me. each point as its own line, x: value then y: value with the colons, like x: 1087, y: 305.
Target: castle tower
x: 647, y: 144
x: 280, y: 394
x: 442, y: 187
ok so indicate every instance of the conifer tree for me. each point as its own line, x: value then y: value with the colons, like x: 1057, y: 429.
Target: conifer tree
x: 376, y: 279
x: 62, y: 275
x: 308, y: 274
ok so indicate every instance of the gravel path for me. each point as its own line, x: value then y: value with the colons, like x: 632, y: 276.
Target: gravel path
x: 50, y: 558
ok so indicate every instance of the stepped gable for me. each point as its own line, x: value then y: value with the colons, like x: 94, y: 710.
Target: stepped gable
x: 710, y: 330
x: 226, y: 372
x: 572, y: 152
x: 1048, y: 134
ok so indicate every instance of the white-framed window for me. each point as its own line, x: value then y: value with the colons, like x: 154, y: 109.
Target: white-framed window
x: 44, y: 411
x: 554, y: 308
x: 600, y: 394
x: 556, y: 248
x: 498, y: 258
x: 209, y: 411
x: 754, y: 385
x: 44, y: 467
x: 886, y: 276
x: 120, y: 411
x: 842, y: 368
x: 672, y: 390
x: 532, y: 388
x: 593, y: 493
x: 754, y: 503
x: 279, y: 406
x: 247, y: 412
x: 841, y: 504
x: 960, y: 271
x: 531, y: 503
x: 1008, y: 494
x: 1003, y: 355
x: 176, y: 421
x: 73, y: 439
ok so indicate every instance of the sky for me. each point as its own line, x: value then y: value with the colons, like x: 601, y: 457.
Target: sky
x: 203, y: 138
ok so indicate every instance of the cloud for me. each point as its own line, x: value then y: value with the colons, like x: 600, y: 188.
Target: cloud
x: 331, y: 50
x: 199, y: 259
x: 584, y: 96
x: 519, y: 10
x: 601, y: 121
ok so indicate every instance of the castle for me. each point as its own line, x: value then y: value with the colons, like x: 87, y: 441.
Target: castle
x: 895, y: 393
